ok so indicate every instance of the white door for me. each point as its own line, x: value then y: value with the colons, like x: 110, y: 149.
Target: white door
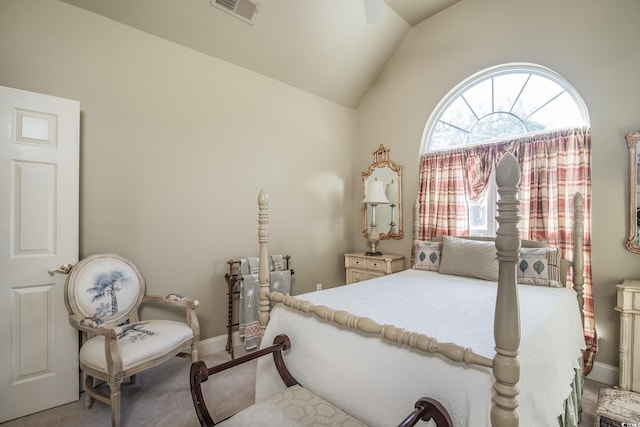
x: 39, y: 177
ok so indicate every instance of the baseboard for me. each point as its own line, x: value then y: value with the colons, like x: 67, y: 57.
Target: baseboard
x: 604, y: 373
x: 216, y: 344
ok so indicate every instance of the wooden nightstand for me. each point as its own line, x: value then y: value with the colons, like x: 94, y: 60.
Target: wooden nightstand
x: 359, y: 267
x: 628, y: 305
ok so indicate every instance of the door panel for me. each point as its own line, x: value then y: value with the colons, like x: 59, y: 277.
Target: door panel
x: 32, y: 341
x: 34, y: 217
x: 39, y: 177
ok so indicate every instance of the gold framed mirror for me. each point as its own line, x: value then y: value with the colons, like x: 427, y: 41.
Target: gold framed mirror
x: 383, y: 217
x: 634, y: 190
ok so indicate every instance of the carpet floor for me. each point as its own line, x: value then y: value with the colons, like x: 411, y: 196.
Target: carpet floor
x: 161, y: 397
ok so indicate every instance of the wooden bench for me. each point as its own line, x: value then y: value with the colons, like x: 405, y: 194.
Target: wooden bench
x: 616, y: 408
x: 295, y: 405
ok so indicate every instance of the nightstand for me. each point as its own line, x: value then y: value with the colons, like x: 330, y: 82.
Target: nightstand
x: 359, y: 267
x: 628, y: 305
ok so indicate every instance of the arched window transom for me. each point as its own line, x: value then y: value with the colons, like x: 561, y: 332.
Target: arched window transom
x: 501, y: 103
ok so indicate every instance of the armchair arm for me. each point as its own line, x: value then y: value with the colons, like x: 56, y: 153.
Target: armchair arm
x: 177, y: 300
x: 95, y: 326
x: 173, y: 299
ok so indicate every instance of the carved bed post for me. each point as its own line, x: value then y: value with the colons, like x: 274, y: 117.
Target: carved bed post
x: 416, y: 228
x: 506, y: 328
x: 263, y: 270
x: 416, y: 220
x: 578, y: 254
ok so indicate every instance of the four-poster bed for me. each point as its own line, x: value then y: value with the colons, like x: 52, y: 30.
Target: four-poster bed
x: 375, y: 379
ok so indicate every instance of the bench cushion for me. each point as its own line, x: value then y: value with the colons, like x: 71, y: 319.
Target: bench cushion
x: 294, y: 406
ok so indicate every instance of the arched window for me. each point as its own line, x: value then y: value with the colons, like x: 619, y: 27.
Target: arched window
x: 500, y: 103
x: 503, y: 102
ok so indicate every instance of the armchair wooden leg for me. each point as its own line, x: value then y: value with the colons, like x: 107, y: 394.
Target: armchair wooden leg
x: 88, y: 385
x: 115, y: 404
x: 194, y: 352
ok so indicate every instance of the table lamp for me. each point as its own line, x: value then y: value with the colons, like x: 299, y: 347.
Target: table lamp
x: 374, y: 196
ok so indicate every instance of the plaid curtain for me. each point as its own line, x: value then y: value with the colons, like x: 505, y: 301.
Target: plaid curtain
x: 554, y: 166
x: 441, y: 195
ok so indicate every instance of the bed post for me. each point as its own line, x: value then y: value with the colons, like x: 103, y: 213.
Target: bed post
x: 263, y: 269
x: 578, y: 254
x: 416, y: 228
x: 506, y: 327
x: 416, y: 220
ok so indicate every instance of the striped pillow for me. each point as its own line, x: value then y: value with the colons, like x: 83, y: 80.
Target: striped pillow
x: 540, y: 267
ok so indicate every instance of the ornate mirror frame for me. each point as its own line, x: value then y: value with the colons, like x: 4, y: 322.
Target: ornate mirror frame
x: 390, y: 174
x: 634, y: 188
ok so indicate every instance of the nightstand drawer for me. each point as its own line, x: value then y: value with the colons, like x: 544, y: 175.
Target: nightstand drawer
x: 359, y: 266
x: 375, y: 264
x: 356, y: 262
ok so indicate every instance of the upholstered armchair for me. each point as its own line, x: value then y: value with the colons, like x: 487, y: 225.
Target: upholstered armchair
x: 103, y: 294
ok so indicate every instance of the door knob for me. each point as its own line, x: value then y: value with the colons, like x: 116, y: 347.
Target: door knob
x: 64, y: 269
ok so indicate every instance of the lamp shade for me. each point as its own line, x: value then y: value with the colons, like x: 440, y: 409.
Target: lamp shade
x: 392, y: 192
x: 375, y: 192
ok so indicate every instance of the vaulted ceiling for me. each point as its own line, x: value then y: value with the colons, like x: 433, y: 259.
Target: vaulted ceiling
x: 325, y: 47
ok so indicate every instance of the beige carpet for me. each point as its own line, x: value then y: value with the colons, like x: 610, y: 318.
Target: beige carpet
x: 161, y: 397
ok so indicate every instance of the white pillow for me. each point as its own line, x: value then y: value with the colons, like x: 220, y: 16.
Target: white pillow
x: 470, y: 258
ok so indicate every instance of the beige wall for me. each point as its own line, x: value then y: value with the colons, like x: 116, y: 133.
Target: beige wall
x: 593, y: 44
x: 175, y: 146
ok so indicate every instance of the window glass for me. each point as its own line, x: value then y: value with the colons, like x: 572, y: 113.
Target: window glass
x: 501, y: 103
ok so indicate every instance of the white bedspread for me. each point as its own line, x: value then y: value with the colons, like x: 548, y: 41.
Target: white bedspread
x: 378, y: 382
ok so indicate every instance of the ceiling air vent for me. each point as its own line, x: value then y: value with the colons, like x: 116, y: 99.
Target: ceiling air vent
x: 244, y: 10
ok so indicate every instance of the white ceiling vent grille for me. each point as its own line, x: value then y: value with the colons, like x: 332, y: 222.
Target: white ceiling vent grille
x: 244, y: 10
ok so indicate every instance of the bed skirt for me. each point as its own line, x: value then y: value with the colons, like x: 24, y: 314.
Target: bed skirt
x: 573, y: 405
